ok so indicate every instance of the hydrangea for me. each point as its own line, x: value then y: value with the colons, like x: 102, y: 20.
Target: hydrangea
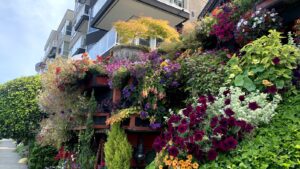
x: 254, y: 108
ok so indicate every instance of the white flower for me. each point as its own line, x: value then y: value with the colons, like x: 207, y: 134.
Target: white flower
x: 254, y: 25
x: 245, y: 22
x: 274, y: 19
x: 257, y: 12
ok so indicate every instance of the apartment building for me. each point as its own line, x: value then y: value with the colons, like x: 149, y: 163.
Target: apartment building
x: 90, y: 26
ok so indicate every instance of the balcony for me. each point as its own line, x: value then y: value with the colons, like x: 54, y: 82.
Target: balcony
x: 82, y: 18
x: 103, y: 46
x: 106, y: 12
x: 78, y: 47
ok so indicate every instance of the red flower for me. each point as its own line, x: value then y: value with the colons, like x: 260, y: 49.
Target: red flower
x: 173, y: 151
x: 57, y: 70
x: 182, y: 128
x: 198, y: 135
x: 229, y: 112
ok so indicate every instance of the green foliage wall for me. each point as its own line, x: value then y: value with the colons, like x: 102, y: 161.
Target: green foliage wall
x: 275, y: 146
x: 118, y: 151
x: 19, y: 111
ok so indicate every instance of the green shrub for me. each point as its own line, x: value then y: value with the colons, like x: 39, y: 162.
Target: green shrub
x: 41, y: 156
x: 117, y: 150
x: 274, y: 146
x: 203, y: 74
x: 266, y: 63
x: 19, y: 111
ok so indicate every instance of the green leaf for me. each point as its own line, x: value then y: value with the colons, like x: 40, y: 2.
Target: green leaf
x: 248, y: 84
x: 279, y: 84
x: 239, y: 80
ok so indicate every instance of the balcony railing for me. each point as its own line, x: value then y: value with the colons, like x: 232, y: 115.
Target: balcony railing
x: 97, y: 7
x: 80, y: 43
x: 108, y: 41
x: 183, y: 4
x: 82, y: 11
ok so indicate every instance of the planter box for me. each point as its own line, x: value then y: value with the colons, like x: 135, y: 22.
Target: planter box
x: 99, y: 120
x: 130, y: 52
x: 136, y: 124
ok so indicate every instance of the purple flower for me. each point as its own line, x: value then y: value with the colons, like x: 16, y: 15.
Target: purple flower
x: 211, y: 98
x: 173, y: 151
x: 198, y: 135
x: 202, y: 99
x: 174, y: 119
x: 182, y: 128
x: 220, y: 130
x: 158, y: 144
x: 230, y: 143
x: 271, y: 89
x: 276, y: 60
x: 241, y: 123
x: 214, y: 122
x: 248, y: 128
x: 143, y: 114
x: 174, y: 84
x: 226, y: 92
x: 227, y: 102
x: 242, y: 98
x: 155, y: 125
x: 212, y: 154
x: 167, y: 136
x: 147, y: 106
x: 253, y: 106
x: 187, y: 110
x: 231, y: 121
x: 223, y: 122
x: 229, y: 112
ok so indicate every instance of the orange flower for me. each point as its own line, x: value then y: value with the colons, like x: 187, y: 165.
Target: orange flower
x: 216, y: 11
x: 195, y: 165
x: 85, y: 54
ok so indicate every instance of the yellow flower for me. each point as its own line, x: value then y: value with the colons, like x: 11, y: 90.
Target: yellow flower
x: 189, y: 157
x: 174, y: 163
x: 160, y: 167
x: 195, y: 165
x: 163, y: 64
x: 267, y: 83
x: 168, y: 162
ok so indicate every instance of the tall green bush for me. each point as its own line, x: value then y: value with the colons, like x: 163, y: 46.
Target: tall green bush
x: 19, y: 111
x: 274, y: 146
x: 117, y: 149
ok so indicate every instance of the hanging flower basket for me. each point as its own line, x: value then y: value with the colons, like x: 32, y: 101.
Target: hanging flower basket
x: 100, y: 81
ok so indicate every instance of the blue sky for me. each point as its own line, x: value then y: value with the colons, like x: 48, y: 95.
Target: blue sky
x: 24, y: 28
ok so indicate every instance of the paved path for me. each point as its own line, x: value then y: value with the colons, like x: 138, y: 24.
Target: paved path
x: 8, y: 157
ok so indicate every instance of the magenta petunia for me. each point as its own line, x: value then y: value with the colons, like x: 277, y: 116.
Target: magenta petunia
x: 212, y: 154
x: 242, y: 98
x: 227, y: 102
x: 276, y: 60
x: 211, y: 98
x: 182, y: 128
x: 226, y: 92
x: 229, y: 112
x: 202, y: 99
x: 230, y: 143
x: 173, y: 151
x: 253, y: 106
x: 198, y: 135
x: 271, y: 89
x: 214, y: 122
x: 231, y: 121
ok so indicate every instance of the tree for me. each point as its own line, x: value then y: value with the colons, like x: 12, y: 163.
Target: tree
x: 19, y: 111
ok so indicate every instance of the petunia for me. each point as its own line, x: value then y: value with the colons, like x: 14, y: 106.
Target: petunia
x: 242, y: 98
x: 253, y: 106
x: 229, y: 112
x: 198, y: 135
x: 276, y: 60
x: 227, y: 102
x: 182, y: 128
x: 173, y: 151
x: 212, y: 154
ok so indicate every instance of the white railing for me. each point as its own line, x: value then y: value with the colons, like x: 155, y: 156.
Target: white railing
x: 97, y: 7
x: 108, y: 41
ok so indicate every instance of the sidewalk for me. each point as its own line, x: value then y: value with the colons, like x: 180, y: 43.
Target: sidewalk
x: 8, y: 157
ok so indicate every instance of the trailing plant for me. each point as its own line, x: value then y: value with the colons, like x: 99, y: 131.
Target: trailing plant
x: 266, y: 65
x: 41, y: 157
x: 19, y: 111
x: 195, y: 136
x: 121, y: 115
x: 255, y: 108
x: 203, y: 73
x: 273, y: 145
x: 256, y: 24
x: 145, y: 27
x: 117, y: 149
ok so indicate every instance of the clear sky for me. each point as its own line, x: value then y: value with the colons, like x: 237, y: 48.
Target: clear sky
x: 24, y: 28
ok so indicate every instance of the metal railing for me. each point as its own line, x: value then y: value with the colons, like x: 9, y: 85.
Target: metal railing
x: 82, y: 11
x: 97, y: 7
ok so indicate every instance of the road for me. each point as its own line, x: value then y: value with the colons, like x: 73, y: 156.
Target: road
x: 8, y: 157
